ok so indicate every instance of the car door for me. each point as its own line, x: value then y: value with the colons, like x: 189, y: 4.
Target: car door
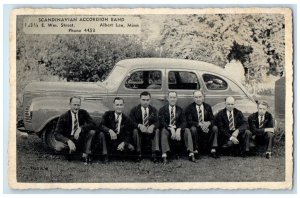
x: 184, y: 82
x: 140, y: 80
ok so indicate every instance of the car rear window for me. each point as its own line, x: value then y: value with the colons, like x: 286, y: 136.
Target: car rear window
x: 213, y: 82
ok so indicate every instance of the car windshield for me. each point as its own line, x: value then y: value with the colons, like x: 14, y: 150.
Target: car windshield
x: 115, y: 77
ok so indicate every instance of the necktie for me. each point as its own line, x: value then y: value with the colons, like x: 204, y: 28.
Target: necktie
x: 199, y: 114
x: 261, y: 123
x: 75, y: 124
x: 146, y: 118
x: 231, y: 125
x: 117, y: 123
x: 173, y: 121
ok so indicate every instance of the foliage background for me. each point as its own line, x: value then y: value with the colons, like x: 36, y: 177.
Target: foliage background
x: 256, y: 41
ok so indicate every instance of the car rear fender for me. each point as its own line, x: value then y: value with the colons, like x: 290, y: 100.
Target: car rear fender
x: 246, y: 106
x: 46, y: 109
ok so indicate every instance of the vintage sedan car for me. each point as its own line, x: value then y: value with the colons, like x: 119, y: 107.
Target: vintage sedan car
x: 44, y: 102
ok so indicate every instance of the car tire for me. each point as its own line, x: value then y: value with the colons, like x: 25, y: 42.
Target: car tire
x: 48, y: 139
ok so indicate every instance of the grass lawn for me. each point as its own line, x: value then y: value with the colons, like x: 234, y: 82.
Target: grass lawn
x: 34, y: 164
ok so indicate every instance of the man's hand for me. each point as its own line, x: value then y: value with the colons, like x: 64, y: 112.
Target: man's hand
x: 234, y: 140
x: 235, y: 133
x: 271, y: 130
x: 130, y: 147
x: 121, y: 146
x: 142, y: 128
x: 177, y: 136
x: 150, y: 129
x: 204, y: 127
x: 77, y: 133
x: 113, y: 135
x: 173, y: 133
x: 71, y: 146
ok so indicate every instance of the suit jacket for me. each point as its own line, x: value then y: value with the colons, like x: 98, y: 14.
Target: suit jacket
x: 191, y: 114
x: 108, y: 122
x: 254, y: 123
x: 164, y: 117
x: 223, y: 123
x: 136, y: 116
x: 64, y: 125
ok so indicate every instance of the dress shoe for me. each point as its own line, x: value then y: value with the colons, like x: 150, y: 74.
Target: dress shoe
x: 244, y: 154
x: 196, y: 154
x: 213, y: 154
x: 105, y: 159
x: 228, y: 144
x: 268, y: 155
x: 68, y: 157
x: 86, y: 159
x: 138, y: 158
x: 192, y: 158
x: 154, y: 158
x: 164, y: 159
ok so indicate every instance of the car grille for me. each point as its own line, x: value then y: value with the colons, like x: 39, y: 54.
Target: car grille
x: 27, y: 116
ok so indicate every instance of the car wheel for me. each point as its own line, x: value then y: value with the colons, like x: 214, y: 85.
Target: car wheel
x: 48, y: 138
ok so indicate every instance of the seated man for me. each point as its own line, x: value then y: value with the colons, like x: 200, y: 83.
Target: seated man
x: 232, y: 127
x: 172, y: 124
x: 200, y: 120
x: 144, y: 118
x: 116, y: 132
x: 75, y: 130
x: 261, y: 125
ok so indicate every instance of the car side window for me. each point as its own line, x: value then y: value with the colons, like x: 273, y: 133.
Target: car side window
x: 144, y: 80
x: 213, y: 82
x: 183, y: 80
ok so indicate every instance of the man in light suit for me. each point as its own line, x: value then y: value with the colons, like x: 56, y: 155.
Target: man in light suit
x: 116, y: 132
x: 232, y: 127
x: 200, y: 120
x: 144, y: 118
x: 75, y: 130
x: 261, y: 125
x: 173, y: 128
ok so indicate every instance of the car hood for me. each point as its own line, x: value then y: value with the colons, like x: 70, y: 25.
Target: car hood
x: 72, y: 87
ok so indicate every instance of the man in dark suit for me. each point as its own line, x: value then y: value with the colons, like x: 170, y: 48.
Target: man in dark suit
x: 75, y: 130
x: 144, y: 118
x: 200, y: 121
x: 173, y: 128
x: 116, y: 132
x: 261, y: 125
x: 232, y: 127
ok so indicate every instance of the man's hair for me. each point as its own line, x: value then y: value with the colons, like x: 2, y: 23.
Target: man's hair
x: 229, y: 97
x: 199, y: 91
x: 262, y: 102
x: 75, y: 97
x: 145, y: 93
x: 172, y: 92
x: 118, y: 98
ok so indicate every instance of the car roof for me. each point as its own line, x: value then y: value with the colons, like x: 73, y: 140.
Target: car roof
x: 170, y: 63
